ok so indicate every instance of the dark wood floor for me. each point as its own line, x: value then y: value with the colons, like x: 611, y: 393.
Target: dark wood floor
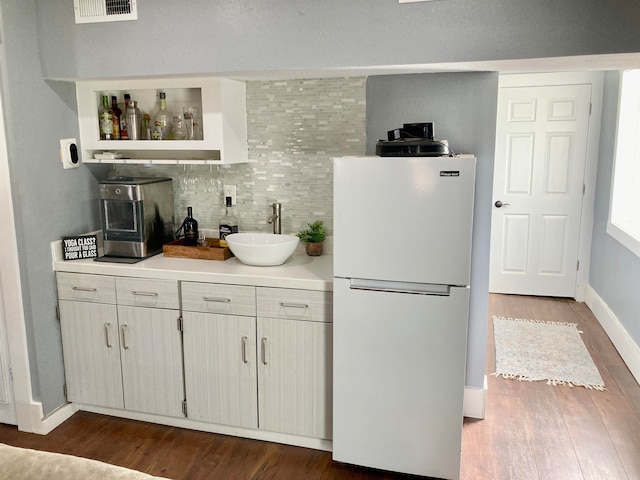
x: 531, y: 431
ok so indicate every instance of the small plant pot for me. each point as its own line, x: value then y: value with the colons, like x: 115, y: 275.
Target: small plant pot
x: 314, y: 249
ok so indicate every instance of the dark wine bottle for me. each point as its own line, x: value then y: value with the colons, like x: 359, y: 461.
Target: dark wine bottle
x: 190, y: 229
x: 117, y: 114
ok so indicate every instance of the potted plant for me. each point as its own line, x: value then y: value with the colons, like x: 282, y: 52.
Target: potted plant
x: 313, y: 237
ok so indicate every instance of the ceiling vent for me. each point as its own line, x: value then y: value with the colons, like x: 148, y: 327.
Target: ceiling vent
x: 98, y: 11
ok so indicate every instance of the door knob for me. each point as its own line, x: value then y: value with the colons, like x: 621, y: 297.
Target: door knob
x: 499, y: 204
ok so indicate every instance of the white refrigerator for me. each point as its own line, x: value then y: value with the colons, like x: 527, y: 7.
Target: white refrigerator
x: 402, y: 247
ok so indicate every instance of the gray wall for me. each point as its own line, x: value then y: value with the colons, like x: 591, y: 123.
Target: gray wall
x: 48, y: 201
x: 199, y: 36
x: 615, y: 270
x: 463, y: 109
x: 239, y: 35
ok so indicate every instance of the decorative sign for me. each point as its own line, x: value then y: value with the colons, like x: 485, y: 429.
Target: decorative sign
x: 83, y: 246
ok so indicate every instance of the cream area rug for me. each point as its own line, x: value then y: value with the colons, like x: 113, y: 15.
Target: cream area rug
x: 532, y: 350
x: 25, y: 464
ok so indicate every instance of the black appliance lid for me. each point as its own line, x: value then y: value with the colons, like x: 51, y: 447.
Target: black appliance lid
x: 412, y: 147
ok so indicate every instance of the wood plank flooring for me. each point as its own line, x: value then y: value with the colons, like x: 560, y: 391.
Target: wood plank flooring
x: 531, y: 431
x: 536, y: 431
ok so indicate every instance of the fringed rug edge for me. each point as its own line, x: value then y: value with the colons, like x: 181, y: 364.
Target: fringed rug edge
x: 550, y: 381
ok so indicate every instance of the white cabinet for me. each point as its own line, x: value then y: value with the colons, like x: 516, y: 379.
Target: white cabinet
x: 220, y: 369
x: 252, y: 358
x: 295, y: 362
x: 222, y: 105
x: 274, y: 374
x: 151, y: 345
x: 91, y: 348
x: 151, y: 354
x: 219, y: 330
x: 123, y: 356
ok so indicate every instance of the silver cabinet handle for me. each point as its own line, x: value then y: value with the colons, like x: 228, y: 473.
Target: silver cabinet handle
x: 217, y: 299
x: 84, y: 289
x: 264, y: 350
x: 124, y: 337
x: 107, y: 327
x: 294, y: 305
x: 244, y: 350
x: 145, y: 294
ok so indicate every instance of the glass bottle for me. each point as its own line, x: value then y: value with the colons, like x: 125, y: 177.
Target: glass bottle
x: 146, y: 126
x: 105, y: 117
x: 117, y: 116
x: 228, y: 223
x: 190, y: 229
x: 162, y: 119
x: 124, y: 132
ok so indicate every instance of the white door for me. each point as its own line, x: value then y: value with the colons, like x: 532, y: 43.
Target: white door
x: 151, y: 353
x: 399, y: 379
x: 295, y: 377
x: 432, y: 198
x: 541, y: 149
x: 91, y: 353
x: 7, y: 407
x: 220, y: 369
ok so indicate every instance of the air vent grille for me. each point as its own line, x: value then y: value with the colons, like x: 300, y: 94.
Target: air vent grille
x: 94, y: 11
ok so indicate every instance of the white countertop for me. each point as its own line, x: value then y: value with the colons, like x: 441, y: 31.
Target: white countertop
x: 299, y: 271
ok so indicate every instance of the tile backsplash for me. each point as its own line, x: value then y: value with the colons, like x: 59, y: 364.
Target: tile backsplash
x: 295, y: 128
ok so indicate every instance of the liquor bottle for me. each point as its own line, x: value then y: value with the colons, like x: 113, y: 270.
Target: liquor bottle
x: 146, y: 126
x: 117, y: 116
x: 162, y: 119
x: 124, y: 132
x: 190, y: 229
x: 105, y: 116
x: 228, y: 223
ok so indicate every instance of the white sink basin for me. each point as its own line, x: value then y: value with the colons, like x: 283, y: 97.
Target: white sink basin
x: 262, y: 249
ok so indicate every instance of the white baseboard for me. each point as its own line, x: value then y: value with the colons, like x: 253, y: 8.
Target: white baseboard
x: 57, y: 417
x: 287, y: 439
x: 474, y: 406
x: 626, y: 346
x: 32, y: 420
x: 475, y: 401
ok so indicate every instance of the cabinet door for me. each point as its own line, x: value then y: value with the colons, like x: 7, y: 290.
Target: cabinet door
x: 294, y: 377
x: 220, y: 366
x: 151, y: 351
x: 91, y: 353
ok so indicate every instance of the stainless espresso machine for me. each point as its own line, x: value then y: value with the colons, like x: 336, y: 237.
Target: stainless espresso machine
x: 137, y: 216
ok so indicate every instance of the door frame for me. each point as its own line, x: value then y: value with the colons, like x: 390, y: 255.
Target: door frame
x: 10, y: 290
x: 29, y: 415
x: 596, y: 80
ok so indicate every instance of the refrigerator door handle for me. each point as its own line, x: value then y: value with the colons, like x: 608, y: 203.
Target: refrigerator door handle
x: 399, y: 287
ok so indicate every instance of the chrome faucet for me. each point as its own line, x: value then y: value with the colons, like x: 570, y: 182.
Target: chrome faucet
x: 276, y: 218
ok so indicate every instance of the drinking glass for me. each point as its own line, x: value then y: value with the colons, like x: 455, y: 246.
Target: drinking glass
x: 189, y: 180
x: 202, y: 239
x: 213, y: 181
x: 192, y: 122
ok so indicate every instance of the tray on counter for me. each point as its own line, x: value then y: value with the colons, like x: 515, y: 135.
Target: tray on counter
x: 213, y: 252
